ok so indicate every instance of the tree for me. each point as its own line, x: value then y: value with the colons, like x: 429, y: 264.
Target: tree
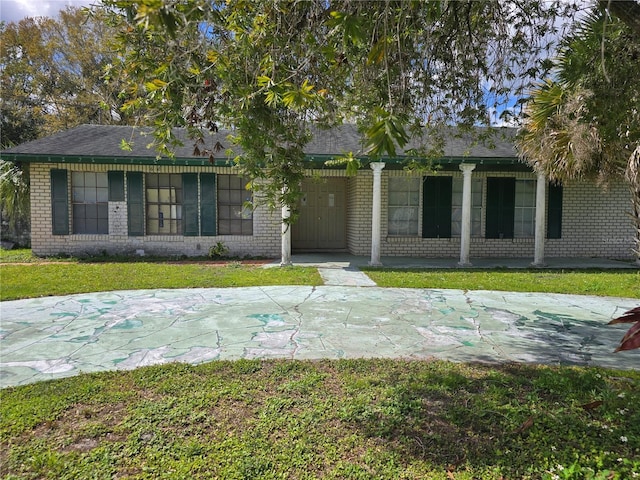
x: 276, y: 69
x: 51, y: 79
x: 52, y: 75
x: 14, y: 202
x: 586, y: 121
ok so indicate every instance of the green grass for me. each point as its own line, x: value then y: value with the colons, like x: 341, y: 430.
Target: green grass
x: 25, y: 281
x: 22, y: 276
x: 614, y: 283
x: 355, y: 419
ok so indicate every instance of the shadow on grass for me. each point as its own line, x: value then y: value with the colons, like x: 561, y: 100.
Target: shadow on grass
x: 370, y: 419
x: 501, y: 421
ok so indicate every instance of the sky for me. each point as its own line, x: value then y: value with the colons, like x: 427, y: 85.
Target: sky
x: 14, y: 10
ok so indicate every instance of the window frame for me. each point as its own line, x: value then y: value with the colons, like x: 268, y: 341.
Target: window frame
x: 163, y: 193
x: 410, y: 204
x: 89, y: 203
x: 234, y: 216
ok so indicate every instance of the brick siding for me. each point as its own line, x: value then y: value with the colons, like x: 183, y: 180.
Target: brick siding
x: 595, y: 223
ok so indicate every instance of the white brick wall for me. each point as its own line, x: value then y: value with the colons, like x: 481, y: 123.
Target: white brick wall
x: 595, y: 223
x: 265, y: 240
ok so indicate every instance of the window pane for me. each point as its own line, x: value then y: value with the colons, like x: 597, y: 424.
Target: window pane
x: 90, y: 195
x: 224, y: 227
x: 236, y: 183
x: 90, y: 179
x: 103, y: 211
x: 79, y: 225
x: 78, y: 194
x: 164, y: 180
x: 397, y: 198
x: 236, y: 212
x: 152, y: 180
x: 103, y: 226
x: 152, y: 227
x: 236, y: 197
x: 78, y: 213
x: 164, y: 195
x: 103, y: 195
x: 224, y: 212
x: 77, y: 179
x: 223, y: 182
x: 152, y: 195
x: 92, y: 211
x: 224, y: 197
x: 102, y: 180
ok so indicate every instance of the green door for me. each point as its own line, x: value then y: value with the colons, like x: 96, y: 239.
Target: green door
x: 321, y: 225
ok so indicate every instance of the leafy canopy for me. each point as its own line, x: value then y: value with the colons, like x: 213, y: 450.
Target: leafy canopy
x: 585, y: 121
x: 52, y: 75
x: 275, y: 71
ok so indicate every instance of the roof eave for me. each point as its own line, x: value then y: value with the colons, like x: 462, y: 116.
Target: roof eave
x: 112, y: 160
x: 313, y: 160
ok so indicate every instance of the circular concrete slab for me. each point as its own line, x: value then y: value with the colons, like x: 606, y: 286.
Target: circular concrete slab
x: 54, y: 337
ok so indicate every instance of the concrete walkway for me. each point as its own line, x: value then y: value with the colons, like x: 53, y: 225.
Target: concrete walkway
x: 54, y: 337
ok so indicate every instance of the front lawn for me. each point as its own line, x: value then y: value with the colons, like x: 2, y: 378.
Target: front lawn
x: 56, y: 278
x: 612, y: 283
x: 347, y: 419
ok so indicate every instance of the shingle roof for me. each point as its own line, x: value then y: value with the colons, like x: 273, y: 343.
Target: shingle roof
x: 105, y: 141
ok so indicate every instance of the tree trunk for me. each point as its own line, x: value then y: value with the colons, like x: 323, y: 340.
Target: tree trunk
x: 633, y: 177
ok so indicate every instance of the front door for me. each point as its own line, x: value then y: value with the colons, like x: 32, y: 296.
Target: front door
x: 321, y: 225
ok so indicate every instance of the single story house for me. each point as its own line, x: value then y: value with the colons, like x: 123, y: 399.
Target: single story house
x: 90, y: 196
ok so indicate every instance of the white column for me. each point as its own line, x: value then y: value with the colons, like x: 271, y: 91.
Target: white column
x: 541, y: 230
x: 286, y: 237
x: 376, y: 212
x: 465, y: 233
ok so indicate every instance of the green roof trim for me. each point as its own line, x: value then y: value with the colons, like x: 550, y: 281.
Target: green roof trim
x: 98, y: 160
x: 315, y: 160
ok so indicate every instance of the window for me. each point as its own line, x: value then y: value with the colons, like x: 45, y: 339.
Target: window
x: 235, y: 214
x: 90, y: 200
x: 164, y: 204
x: 524, y: 209
x: 511, y: 208
x: 476, y: 207
x: 404, y: 205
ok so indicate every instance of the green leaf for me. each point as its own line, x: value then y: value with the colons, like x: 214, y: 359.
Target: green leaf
x: 272, y: 98
x: 383, y: 136
x: 154, y: 85
x: 125, y: 145
x: 263, y: 81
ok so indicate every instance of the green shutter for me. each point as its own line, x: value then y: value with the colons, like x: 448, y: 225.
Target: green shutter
x: 190, y: 204
x: 554, y: 213
x: 59, y: 203
x: 501, y: 199
x: 208, y: 203
x: 436, y: 207
x: 116, y: 186
x: 135, y: 204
